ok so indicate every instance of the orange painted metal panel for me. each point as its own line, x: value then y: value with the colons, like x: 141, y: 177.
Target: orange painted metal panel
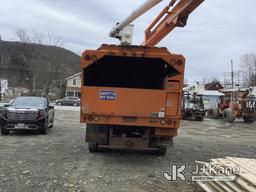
x: 143, y: 104
x: 128, y: 102
x: 138, y: 121
x: 173, y: 104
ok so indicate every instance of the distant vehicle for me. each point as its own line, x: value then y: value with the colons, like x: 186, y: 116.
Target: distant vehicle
x: 75, y: 101
x: 27, y: 113
x: 192, y: 107
x: 236, y: 104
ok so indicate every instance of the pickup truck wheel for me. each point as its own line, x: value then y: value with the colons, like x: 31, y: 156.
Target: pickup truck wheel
x: 51, y: 126
x: 44, y: 129
x: 93, y: 147
x: 4, y: 131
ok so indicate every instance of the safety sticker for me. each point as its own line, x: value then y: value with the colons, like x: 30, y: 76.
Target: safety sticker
x: 108, y: 95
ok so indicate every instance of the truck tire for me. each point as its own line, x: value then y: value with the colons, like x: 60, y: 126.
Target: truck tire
x: 52, y: 123
x: 248, y: 119
x: 44, y: 129
x: 93, y: 147
x: 228, y: 116
x: 199, y: 118
x: 4, y: 131
x: 162, y: 149
x: 215, y: 113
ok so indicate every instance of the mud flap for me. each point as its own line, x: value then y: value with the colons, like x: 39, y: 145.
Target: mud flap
x: 97, y: 134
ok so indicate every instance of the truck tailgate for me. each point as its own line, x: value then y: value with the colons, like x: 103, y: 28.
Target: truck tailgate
x: 123, y: 101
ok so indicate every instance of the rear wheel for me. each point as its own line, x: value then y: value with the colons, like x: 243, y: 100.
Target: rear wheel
x: 214, y: 113
x: 228, y: 116
x: 93, y: 147
x: 4, y: 131
x: 59, y: 103
x: 248, y: 119
x: 75, y: 104
x: 162, y: 149
x: 199, y: 118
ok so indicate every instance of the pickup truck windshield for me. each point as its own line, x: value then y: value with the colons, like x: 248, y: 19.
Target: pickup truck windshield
x: 28, y: 101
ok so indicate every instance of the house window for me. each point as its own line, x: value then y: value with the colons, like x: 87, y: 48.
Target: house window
x: 70, y: 94
x: 74, y: 82
x: 77, y: 94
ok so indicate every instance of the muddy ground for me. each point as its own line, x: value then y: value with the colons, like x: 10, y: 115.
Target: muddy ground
x: 61, y: 162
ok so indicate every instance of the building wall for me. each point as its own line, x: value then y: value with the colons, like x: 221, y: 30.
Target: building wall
x: 210, y: 101
x: 70, y: 93
x: 74, y: 82
x: 73, y: 86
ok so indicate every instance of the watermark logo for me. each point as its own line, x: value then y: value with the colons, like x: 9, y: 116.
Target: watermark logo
x: 202, y: 172
x: 176, y: 172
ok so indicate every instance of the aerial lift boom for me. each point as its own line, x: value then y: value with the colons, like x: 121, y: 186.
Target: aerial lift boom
x: 164, y: 23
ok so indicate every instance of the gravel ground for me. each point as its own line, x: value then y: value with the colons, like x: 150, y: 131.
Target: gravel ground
x: 61, y: 162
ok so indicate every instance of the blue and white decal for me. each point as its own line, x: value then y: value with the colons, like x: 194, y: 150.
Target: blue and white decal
x: 108, y: 95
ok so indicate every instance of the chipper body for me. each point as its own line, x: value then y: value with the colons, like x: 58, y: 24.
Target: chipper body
x: 131, y: 97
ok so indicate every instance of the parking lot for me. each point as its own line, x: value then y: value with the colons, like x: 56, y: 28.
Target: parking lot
x: 60, y: 160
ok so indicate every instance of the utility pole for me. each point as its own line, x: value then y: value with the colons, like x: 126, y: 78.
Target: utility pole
x: 232, y: 80
x: 232, y: 74
x: 0, y: 69
x: 34, y: 82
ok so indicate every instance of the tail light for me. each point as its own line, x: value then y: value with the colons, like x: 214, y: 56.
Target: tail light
x: 90, y: 118
x: 169, y: 121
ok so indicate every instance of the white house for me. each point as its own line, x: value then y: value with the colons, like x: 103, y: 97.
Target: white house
x: 211, y: 98
x: 73, y: 85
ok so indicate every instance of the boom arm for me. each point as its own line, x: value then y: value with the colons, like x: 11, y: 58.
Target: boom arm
x: 168, y: 20
x: 161, y: 26
x: 117, y: 30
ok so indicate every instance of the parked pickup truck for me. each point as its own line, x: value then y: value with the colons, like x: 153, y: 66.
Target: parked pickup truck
x: 27, y: 113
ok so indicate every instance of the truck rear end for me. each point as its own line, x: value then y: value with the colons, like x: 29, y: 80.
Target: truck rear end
x: 131, y: 97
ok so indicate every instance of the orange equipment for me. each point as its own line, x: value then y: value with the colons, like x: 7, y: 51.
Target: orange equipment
x: 237, y: 103
x: 131, y: 95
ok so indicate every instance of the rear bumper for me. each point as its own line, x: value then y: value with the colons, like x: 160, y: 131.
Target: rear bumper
x: 169, y: 123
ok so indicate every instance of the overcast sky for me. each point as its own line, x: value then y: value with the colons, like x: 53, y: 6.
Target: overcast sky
x: 218, y: 31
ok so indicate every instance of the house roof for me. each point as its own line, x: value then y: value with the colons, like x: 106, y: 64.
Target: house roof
x: 75, y: 75
x: 213, y: 86
x: 235, y: 90
x: 211, y: 93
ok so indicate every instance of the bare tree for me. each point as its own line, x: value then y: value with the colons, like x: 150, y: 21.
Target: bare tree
x: 23, y: 36
x: 248, y: 68
x: 41, y: 38
x: 38, y: 38
x: 47, y: 70
x: 46, y: 39
x: 54, y: 40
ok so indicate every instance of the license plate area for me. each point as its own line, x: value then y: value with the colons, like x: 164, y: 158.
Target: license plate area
x: 20, y: 125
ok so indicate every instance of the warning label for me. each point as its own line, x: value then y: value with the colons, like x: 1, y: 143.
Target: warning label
x: 108, y: 95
